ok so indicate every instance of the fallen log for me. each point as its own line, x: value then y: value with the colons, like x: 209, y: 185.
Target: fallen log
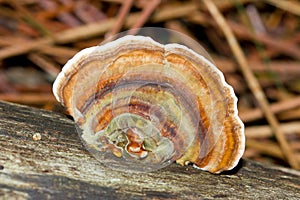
x: 42, y: 157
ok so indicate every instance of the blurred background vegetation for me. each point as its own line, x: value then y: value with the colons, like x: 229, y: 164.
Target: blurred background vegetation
x: 37, y: 37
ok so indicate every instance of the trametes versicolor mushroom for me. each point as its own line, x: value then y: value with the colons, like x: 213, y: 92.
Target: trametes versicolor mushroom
x: 148, y: 104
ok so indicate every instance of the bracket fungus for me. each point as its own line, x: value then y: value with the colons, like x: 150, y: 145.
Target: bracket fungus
x: 140, y: 105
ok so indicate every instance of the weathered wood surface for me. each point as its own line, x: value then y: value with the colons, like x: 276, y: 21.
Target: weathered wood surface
x: 58, y: 167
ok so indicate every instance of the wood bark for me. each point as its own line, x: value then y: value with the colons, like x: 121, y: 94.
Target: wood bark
x: 59, y: 167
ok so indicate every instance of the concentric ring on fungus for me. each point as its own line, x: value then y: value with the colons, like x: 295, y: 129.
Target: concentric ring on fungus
x: 140, y: 105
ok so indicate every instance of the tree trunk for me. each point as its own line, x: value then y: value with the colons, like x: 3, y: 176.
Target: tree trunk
x: 58, y: 167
